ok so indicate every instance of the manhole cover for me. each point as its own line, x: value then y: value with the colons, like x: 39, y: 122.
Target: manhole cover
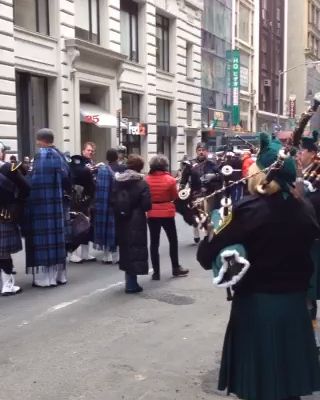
x: 170, y: 298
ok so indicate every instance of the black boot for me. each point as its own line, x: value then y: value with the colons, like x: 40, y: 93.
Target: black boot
x: 132, y: 285
x: 156, y: 274
x: 179, y: 271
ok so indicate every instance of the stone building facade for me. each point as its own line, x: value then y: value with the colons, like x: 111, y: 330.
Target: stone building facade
x: 108, y: 71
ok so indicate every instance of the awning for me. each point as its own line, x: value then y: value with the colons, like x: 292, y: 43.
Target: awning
x: 95, y: 115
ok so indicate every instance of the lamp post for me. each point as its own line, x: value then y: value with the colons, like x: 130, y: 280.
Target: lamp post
x: 280, y: 75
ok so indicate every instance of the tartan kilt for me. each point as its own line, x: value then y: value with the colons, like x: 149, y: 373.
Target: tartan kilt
x: 10, y: 238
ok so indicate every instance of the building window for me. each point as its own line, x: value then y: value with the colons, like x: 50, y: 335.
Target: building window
x: 131, y: 115
x: 32, y: 15
x: 189, y: 113
x: 162, y: 51
x: 244, y: 24
x: 189, y: 60
x: 164, y: 133
x: 244, y: 70
x: 32, y: 110
x: 87, y: 20
x: 129, y: 29
x: 163, y: 112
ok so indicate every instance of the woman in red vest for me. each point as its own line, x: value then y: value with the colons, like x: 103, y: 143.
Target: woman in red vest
x: 163, y: 190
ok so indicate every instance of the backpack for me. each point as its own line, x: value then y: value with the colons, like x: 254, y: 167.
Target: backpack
x: 122, y: 203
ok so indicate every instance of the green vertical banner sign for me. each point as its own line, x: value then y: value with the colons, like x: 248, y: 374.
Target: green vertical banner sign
x: 229, y: 80
x: 235, y: 84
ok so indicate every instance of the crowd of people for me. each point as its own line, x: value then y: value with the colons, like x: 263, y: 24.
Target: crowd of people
x: 65, y: 206
x: 60, y: 205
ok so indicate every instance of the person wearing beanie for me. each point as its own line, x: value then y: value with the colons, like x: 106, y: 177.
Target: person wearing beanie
x: 269, y: 349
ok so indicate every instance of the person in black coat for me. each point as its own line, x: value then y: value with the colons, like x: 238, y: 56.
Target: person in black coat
x: 269, y: 348
x: 131, y: 199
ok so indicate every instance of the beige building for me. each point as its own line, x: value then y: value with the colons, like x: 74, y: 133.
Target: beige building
x: 86, y: 68
x: 303, y: 47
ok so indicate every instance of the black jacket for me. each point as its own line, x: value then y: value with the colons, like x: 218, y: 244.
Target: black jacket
x: 22, y: 186
x: 198, y: 173
x: 131, y: 232
x: 277, y: 235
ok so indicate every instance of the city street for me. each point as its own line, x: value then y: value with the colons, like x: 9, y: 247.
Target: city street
x: 88, y: 340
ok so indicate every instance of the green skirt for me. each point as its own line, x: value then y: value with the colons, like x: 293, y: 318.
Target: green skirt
x: 269, y: 350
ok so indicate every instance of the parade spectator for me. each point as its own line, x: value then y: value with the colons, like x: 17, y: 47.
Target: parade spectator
x: 14, y: 188
x: 163, y: 188
x: 122, y: 153
x: 46, y: 225
x: 112, y: 157
x: 131, y: 200
x: 247, y: 161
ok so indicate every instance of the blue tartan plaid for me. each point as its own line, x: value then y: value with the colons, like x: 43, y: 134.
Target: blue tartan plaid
x: 104, y: 223
x: 45, y: 225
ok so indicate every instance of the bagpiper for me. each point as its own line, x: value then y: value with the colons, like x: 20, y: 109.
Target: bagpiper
x: 14, y: 188
x: 269, y: 349
x: 204, y: 177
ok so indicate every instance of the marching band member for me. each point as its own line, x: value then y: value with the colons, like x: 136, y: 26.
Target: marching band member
x: 204, y: 177
x: 111, y: 255
x: 14, y: 188
x: 83, y: 191
x: 307, y: 161
x: 47, y: 212
x: 88, y: 152
x: 269, y: 349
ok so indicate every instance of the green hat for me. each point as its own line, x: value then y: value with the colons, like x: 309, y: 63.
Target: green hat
x: 268, y: 154
x: 310, y: 142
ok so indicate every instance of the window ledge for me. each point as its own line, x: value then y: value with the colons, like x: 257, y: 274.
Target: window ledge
x: 190, y: 79
x: 19, y: 29
x: 166, y: 73
x: 89, y: 50
x: 134, y: 63
x: 191, y: 128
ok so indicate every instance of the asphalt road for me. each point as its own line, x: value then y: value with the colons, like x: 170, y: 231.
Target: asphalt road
x: 89, y: 340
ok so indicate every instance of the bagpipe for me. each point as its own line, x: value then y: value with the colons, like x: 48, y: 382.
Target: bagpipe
x: 311, y: 177
x: 231, y: 264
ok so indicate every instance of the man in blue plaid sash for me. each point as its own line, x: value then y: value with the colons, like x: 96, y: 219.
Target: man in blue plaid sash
x: 47, y: 214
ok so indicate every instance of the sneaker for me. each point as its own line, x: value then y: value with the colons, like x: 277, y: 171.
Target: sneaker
x: 90, y: 259
x: 115, y: 257
x: 180, y: 272
x: 75, y: 259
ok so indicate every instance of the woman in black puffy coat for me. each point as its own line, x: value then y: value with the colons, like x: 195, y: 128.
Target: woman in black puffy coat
x: 131, y: 200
